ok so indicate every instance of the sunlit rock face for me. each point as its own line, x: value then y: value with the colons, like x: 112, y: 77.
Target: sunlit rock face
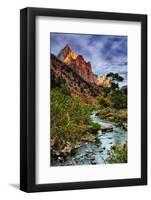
x: 83, y: 68
x: 67, y: 55
x: 77, y: 63
x: 103, y: 81
x: 62, y: 74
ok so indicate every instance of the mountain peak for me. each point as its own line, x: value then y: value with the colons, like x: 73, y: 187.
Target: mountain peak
x: 80, y: 57
x: 77, y: 63
x: 67, y: 46
x: 66, y: 54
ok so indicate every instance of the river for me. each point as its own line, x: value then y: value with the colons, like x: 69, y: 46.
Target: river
x: 97, y: 152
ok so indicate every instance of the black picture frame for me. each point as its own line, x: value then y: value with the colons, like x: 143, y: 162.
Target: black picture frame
x: 28, y: 98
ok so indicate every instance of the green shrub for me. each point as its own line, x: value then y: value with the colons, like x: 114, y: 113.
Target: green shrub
x: 95, y: 126
x: 119, y: 100
x: 105, y: 101
x: 70, y: 118
x: 118, y: 154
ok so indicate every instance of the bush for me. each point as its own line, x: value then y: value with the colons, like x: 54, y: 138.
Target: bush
x: 70, y: 119
x: 118, y: 154
x: 104, y: 111
x: 119, y: 100
x: 95, y: 126
x: 64, y: 90
x: 105, y: 101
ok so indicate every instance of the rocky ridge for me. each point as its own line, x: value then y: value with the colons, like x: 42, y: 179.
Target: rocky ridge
x: 77, y: 63
x: 63, y: 74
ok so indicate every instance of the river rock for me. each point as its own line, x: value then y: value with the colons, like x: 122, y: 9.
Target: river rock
x: 72, y: 162
x: 99, y: 133
x: 67, y: 149
x: 107, y: 128
x: 80, y: 156
x: 124, y: 125
x: 97, y: 114
x: 100, y: 149
x: 88, y: 137
x: 57, y: 153
x: 91, y: 156
x: 93, y: 162
x: 60, y: 159
x: 77, y: 145
x: 89, y: 151
x: 97, y: 141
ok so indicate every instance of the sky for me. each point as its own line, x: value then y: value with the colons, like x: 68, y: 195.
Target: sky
x: 107, y: 53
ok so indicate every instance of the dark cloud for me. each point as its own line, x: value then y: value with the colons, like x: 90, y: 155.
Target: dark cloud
x: 105, y: 52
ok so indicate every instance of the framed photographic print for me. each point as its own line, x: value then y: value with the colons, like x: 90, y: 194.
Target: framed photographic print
x: 83, y: 99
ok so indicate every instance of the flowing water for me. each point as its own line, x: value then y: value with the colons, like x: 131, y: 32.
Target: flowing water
x: 97, y: 152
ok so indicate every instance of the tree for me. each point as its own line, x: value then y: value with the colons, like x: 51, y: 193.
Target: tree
x: 115, y: 76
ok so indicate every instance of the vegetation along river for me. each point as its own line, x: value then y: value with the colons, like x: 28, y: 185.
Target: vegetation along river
x: 97, y: 152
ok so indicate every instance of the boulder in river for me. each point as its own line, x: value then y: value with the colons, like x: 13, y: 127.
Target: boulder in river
x: 93, y: 162
x: 107, y: 128
x: 100, y: 149
x: 99, y: 133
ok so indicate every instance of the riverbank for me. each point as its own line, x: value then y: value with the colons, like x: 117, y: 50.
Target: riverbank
x: 117, y: 116
x: 94, y: 148
x: 59, y: 156
x: 71, y: 125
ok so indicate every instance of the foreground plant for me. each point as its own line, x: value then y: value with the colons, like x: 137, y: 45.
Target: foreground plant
x: 118, y: 154
x: 70, y: 121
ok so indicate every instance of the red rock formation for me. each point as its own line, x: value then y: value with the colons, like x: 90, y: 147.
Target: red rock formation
x: 67, y: 55
x: 83, y: 68
x: 62, y: 73
x: 77, y: 63
x: 103, y: 81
